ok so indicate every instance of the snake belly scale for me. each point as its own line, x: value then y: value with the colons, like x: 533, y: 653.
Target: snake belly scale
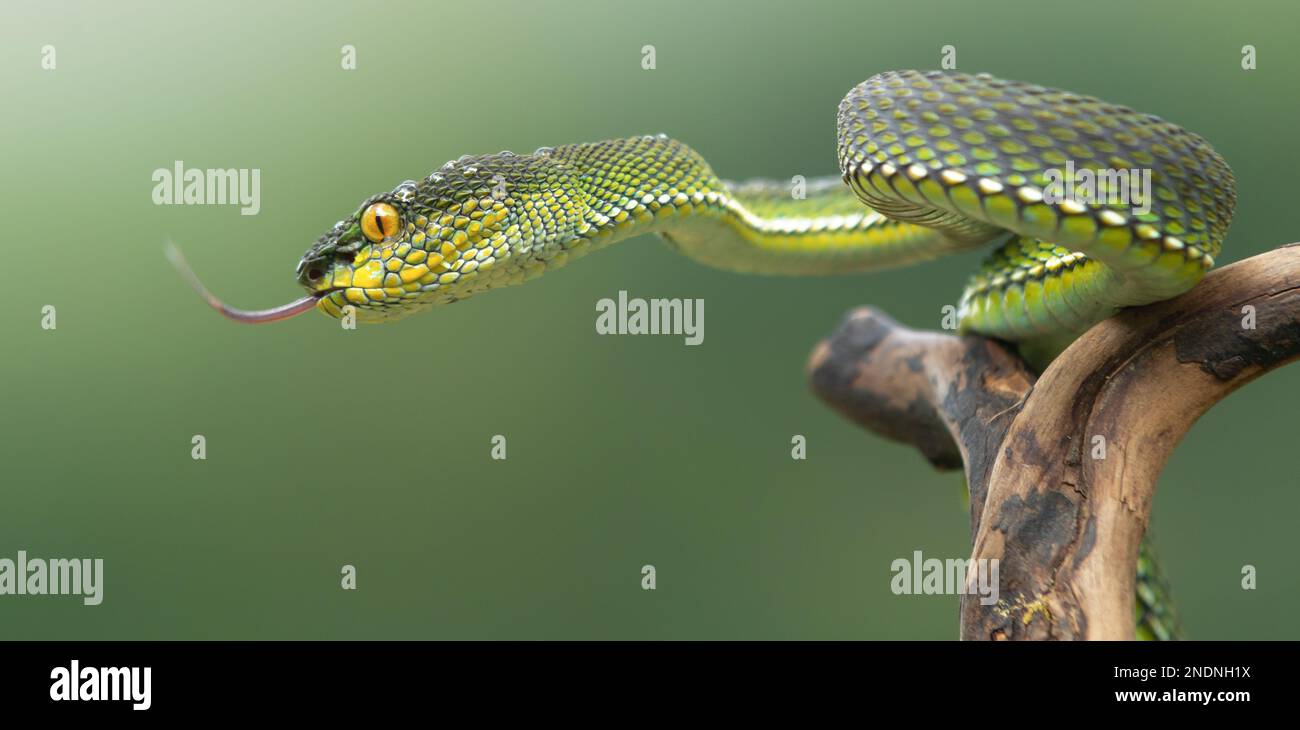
x: 930, y: 163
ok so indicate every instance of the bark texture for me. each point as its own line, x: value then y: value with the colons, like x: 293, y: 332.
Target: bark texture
x: 1062, y: 468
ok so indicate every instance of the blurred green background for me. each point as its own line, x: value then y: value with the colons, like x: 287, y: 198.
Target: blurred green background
x: 371, y: 447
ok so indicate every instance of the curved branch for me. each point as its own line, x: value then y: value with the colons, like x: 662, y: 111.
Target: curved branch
x: 1062, y: 472
x: 952, y: 398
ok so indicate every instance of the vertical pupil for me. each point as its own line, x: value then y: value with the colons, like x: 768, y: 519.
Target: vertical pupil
x: 380, y: 221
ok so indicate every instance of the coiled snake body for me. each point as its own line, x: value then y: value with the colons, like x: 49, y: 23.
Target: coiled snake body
x: 943, y: 162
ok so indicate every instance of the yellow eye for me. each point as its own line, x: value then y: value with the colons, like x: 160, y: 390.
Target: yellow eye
x: 380, y: 221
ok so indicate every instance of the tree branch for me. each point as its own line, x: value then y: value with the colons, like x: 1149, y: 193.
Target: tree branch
x: 1062, y: 471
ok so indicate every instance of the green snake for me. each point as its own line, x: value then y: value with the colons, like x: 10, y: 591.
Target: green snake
x: 930, y: 163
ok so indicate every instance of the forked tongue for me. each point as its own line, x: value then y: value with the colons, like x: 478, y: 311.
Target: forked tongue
x: 260, y: 316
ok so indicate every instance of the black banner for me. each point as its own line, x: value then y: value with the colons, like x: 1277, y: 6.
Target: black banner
x: 247, y: 679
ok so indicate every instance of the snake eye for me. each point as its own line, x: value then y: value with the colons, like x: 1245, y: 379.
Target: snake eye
x: 379, y: 222
x: 314, y: 273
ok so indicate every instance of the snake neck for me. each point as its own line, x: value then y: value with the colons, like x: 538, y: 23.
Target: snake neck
x: 799, y: 227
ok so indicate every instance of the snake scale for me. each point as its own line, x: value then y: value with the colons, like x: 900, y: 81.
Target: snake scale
x: 931, y: 163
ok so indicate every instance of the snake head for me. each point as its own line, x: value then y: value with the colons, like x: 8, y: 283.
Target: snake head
x: 477, y: 223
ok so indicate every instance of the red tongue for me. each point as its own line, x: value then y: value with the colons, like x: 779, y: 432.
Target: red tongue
x: 284, y: 311
x: 259, y: 316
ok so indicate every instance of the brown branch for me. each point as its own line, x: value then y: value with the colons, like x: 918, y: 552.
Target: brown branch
x: 1062, y: 472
